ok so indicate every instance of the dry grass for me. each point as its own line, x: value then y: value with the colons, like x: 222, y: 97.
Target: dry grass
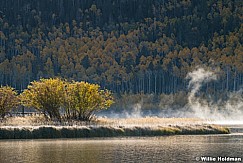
x: 23, y: 121
x: 39, y: 120
x: 149, y: 121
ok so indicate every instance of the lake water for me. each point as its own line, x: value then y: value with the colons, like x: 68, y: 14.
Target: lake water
x: 132, y: 149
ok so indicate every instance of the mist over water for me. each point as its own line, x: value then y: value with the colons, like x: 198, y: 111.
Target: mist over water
x: 200, y: 107
x: 220, y: 111
x: 225, y: 111
x: 134, y: 111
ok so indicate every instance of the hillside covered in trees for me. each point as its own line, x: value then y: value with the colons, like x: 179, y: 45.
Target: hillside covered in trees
x: 133, y: 46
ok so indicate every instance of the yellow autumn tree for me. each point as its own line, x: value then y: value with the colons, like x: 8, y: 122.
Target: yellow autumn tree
x: 46, y: 95
x: 83, y: 99
x: 8, y: 100
x: 80, y: 100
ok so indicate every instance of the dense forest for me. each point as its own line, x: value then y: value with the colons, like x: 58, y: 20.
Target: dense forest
x: 127, y: 46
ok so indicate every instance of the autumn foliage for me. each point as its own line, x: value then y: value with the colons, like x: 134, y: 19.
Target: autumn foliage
x: 8, y: 100
x: 136, y: 46
x: 46, y: 95
x: 59, y: 99
x: 82, y: 99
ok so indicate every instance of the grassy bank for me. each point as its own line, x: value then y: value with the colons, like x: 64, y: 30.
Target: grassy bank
x: 38, y: 128
x: 43, y: 132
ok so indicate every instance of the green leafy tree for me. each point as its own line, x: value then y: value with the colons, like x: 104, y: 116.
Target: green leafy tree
x: 8, y: 100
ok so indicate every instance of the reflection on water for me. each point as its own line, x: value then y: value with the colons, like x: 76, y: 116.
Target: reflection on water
x: 146, y: 149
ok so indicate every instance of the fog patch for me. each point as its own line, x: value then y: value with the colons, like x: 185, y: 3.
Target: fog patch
x: 183, y: 105
x: 222, y: 110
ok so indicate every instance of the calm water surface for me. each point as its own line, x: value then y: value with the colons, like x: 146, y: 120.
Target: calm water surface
x: 143, y: 149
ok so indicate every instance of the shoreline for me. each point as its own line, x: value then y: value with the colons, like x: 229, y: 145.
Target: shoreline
x: 52, y: 132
